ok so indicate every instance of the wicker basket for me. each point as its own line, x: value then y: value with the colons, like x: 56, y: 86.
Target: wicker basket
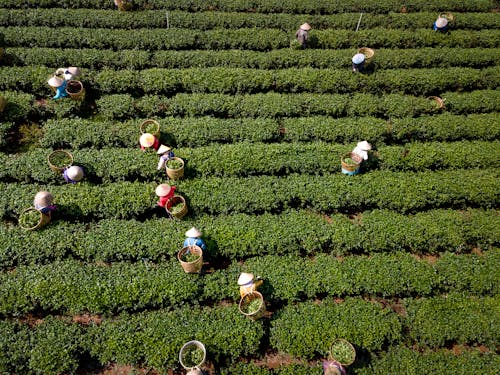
x: 75, y: 89
x: 438, y: 100
x: 350, y: 167
x: 247, y: 298
x: 368, y: 52
x: 448, y: 15
x: 123, y: 5
x: 351, y: 349
x: 188, y: 345
x: 156, y: 131
x: 3, y: 103
x: 195, y: 265
x: 44, y: 219
x: 175, y: 200
x: 175, y: 174
x: 58, y: 168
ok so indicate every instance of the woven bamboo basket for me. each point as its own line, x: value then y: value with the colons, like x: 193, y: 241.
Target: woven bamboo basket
x: 175, y: 200
x: 448, y: 15
x: 175, y: 174
x: 150, y: 126
x: 59, y: 168
x: 348, y: 166
x: 438, y: 100
x: 44, y: 219
x: 195, y: 265
x: 351, y: 349
x: 249, y: 297
x: 75, y: 89
x: 190, y: 345
x: 368, y: 52
x: 123, y: 5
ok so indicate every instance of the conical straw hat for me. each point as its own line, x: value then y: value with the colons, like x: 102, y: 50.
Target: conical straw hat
x: 75, y: 173
x: 441, y: 22
x: 305, y: 26
x: 364, y: 145
x: 43, y: 199
x: 245, y: 278
x: 358, y: 58
x: 74, y: 71
x: 147, y: 140
x: 55, y: 81
x: 193, y: 232
x: 163, y: 149
x: 162, y: 190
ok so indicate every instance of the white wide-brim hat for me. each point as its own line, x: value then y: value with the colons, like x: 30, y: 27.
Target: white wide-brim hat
x: 162, y: 190
x: 147, y: 140
x: 358, y: 58
x: 163, y: 149
x: 75, y: 173
x: 364, y: 145
x: 441, y: 22
x: 245, y: 278
x: 74, y: 71
x: 193, y: 232
x: 305, y: 26
x: 55, y: 81
x: 43, y: 199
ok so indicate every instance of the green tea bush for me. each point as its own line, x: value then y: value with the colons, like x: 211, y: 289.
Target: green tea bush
x: 453, y: 318
x: 276, y: 59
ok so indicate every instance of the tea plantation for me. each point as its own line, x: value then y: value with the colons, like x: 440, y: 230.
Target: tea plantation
x: 402, y: 260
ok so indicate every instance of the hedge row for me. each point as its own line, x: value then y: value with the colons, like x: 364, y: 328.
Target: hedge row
x: 250, y: 81
x: 400, y: 191
x: 397, y: 360
x: 269, y: 6
x: 71, y: 287
x: 82, y: 133
x: 239, y: 236
x: 123, y: 106
x: 57, y: 346
x: 251, y: 159
x: 402, y: 360
x: 454, y: 319
x: 302, y: 330
x: 19, y: 106
x: 243, y: 81
x: 269, y: 105
x: 276, y: 59
x: 60, y: 17
x: 249, y: 38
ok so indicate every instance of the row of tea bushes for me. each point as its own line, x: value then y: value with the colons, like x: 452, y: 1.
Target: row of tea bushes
x: 269, y: 6
x: 399, y: 191
x: 292, y: 233
x: 251, y: 159
x: 61, y: 17
x: 71, y: 287
x: 58, y: 345
x: 178, y: 132
x: 268, y: 105
x: 272, y: 105
x: 251, y: 81
x: 276, y: 59
x: 247, y: 38
x: 303, y: 329
x: 396, y: 360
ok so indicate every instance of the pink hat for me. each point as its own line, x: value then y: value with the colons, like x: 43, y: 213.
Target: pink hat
x: 55, y: 81
x: 162, y: 190
x: 147, y: 140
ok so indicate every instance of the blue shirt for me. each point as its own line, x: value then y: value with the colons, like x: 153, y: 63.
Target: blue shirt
x: 190, y: 241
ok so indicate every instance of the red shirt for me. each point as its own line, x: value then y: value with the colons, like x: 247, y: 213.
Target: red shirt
x: 164, y: 200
